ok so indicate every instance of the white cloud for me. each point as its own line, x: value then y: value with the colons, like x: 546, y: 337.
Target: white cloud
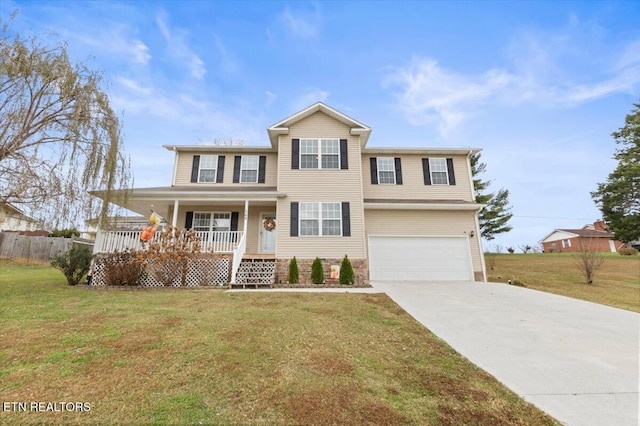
x: 271, y: 97
x: 546, y: 71
x: 429, y: 93
x: 309, y: 97
x: 300, y: 23
x: 179, y: 49
x: 116, y: 40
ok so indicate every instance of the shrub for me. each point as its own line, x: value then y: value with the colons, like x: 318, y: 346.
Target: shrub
x: 628, y: 251
x: 294, y: 274
x: 346, y: 272
x: 167, y: 258
x: 123, y: 269
x: 511, y: 250
x: 74, y: 263
x: 66, y: 233
x: 317, y: 273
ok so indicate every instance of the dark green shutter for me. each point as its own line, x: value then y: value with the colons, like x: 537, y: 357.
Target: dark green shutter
x: 295, y: 154
x: 188, y: 223
x: 262, y: 165
x: 220, y: 171
x: 344, y: 155
x: 294, y: 219
x: 374, y: 170
x: 236, y: 169
x: 426, y: 172
x: 452, y: 176
x: 195, y: 166
x: 398, y: 167
x: 346, y: 220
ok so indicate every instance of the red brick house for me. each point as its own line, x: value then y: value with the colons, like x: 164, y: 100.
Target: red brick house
x: 595, y: 237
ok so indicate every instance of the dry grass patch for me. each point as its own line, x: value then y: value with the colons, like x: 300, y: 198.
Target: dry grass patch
x: 616, y: 284
x: 194, y: 357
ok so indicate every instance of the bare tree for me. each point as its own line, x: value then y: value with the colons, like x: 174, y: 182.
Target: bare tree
x: 223, y: 142
x: 59, y: 136
x: 588, y: 260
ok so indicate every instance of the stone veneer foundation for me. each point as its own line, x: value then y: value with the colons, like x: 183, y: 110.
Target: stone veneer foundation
x: 360, y: 270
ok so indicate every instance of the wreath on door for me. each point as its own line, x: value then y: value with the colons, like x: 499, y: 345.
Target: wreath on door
x: 269, y: 224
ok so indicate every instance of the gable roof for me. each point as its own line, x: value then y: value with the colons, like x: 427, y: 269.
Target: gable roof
x: 573, y: 233
x: 282, y: 127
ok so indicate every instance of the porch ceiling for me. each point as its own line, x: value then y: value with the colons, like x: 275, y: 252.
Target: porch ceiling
x: 162, y: 199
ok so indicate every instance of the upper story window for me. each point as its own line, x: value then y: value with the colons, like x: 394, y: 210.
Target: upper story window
x: 249, y: 169
x: 438, y: 171
x: 438, y: 168
x: 386, y: 171
x: 319, y: 154
x: 208, y: 168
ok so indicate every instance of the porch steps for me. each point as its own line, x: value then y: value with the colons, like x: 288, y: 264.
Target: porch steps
x: 256, y: 272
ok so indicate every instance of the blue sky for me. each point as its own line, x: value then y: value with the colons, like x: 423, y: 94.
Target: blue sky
x: 538, y: 85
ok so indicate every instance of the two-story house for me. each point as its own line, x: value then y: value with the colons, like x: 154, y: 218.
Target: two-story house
x: 318, y: 190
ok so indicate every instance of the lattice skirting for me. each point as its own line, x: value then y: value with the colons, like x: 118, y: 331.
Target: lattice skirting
x: 200, y: 272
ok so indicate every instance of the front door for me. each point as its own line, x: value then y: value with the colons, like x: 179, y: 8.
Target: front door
x: 268, y: 233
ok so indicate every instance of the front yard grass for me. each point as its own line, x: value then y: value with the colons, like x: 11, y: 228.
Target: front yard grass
x: 211, y: 357
x: 616, y: 284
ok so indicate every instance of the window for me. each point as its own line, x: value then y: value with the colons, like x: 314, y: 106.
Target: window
x: 211, y: 221
x: 208, y: 166
x: 320, y: 219
x: 308, y: 154
x: 438, y: 167
x: 386, y: 170
x: 249, y: 169
x: 566, y: 243
x: 319, y: 154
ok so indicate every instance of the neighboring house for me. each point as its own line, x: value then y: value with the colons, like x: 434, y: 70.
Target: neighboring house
x: 593, y: 237
x: 13, y: 219
x: 319, y: 190
x: 116, y: 223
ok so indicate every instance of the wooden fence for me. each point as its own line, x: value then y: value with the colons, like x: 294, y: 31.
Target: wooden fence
x: 14, y: 246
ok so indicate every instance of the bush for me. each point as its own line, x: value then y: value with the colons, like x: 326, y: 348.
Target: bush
x: 74, y: 263
x: 123, y: 269
x: 317, y: 272
x: 66, y: 233
x: 346, y: 272
x: 294, y: 274
x: 628, y: 251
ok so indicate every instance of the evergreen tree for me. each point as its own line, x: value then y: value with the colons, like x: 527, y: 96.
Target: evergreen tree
x: 317, y: 273
x: 495, y: 216
x: 346, y: 272
x: 294, y: 275
x: 619, y: 197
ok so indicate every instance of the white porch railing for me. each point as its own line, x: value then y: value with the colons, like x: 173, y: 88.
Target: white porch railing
x: 238, y: 254
x: 211, y: 241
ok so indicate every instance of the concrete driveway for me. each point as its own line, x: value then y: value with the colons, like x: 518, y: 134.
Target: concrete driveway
x: 576, y: 360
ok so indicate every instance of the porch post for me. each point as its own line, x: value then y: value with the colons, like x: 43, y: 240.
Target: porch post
x: 174, y: 220
x: 246, y: 216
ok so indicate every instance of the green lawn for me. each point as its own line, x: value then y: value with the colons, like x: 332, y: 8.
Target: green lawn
x: 210, y: 357
x: 616, y: 284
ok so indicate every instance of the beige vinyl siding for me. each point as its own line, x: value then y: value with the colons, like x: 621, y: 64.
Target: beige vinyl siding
x: 413, y: 186
x: 425, y: 223
x: 185, y: 162
x: 306, y: 185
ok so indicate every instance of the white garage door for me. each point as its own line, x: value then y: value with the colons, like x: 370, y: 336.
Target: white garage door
x: 406, y: 258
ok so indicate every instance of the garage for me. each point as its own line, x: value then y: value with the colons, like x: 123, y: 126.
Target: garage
x: 419, y: 258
